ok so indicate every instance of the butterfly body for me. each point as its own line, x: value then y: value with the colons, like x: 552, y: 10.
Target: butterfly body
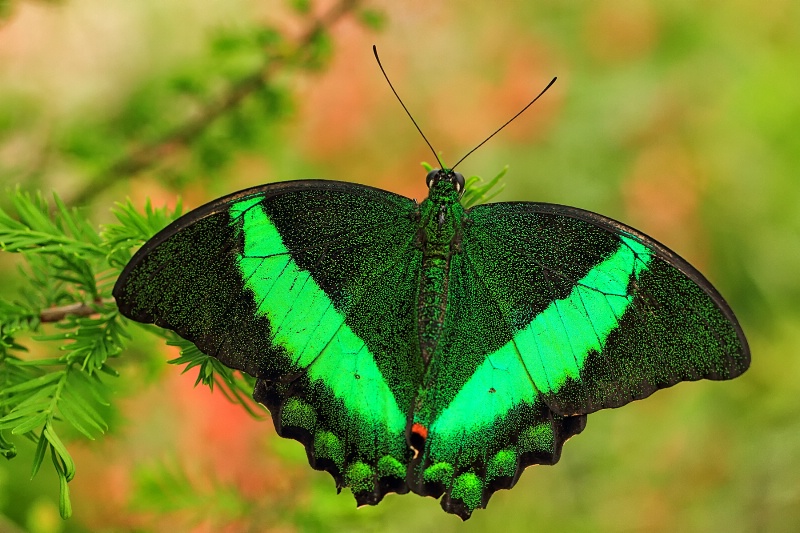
x: 441, y: 217
x: 428, y: 347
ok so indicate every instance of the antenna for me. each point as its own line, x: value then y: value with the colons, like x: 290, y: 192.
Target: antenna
x: 375, y: 51
x: 504, y: 125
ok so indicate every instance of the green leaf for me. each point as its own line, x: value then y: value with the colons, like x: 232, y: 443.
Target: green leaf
x: 477, y: 193
x: 80, y: 407
x: 23, y: 400
x: 38, y: 456
x: 7, y: 449
x: 77, y: 420
x: 37, y: 232
x: 22, y: 412
x: 51, y: 361
x: 68, y: 465
x: 93, y: 385
x: 108, y: 370
x: 64, y: 504
x: 35, y: 383
x: 28, y: 425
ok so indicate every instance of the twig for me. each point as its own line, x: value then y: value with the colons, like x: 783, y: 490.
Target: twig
x: 149, y: 154
x: 56, y: 314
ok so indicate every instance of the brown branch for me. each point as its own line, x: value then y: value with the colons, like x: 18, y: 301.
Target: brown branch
x: 57, y: 314
x: 149, y: 154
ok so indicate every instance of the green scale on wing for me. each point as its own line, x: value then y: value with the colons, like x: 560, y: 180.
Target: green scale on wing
x: 426, y: 347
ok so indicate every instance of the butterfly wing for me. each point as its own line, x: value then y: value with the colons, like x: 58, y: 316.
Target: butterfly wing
x: 310, y: 287
x: 601, y: 313
x: 554, y: 313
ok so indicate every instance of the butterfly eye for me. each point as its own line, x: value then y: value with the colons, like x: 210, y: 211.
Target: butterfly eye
x: 432, y: 177
x: 458, y: 181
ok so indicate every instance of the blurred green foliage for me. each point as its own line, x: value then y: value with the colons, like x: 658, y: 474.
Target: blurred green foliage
x: 677, y: 117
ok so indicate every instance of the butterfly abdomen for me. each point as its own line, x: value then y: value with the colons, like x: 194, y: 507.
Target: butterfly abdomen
x: 432, y: 302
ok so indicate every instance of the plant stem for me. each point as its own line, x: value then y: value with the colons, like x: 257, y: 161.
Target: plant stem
x: 56, y: 314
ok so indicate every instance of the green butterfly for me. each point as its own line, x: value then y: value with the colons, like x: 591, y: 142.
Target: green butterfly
x: 428, y: 347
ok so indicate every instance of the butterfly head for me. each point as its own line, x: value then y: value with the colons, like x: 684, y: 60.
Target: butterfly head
x: 445, y: 182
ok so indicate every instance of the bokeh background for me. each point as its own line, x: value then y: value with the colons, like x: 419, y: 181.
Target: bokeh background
x: 679, y: 117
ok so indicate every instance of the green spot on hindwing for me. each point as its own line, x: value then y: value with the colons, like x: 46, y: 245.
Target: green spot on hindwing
x: 297, y: 413
x: 468, y: 488
x: 539, y: 438
x: 329, y: 446
x: 360, y: 477
x: 502, y: 464
x: 388, y: 466
x: 439, y: 473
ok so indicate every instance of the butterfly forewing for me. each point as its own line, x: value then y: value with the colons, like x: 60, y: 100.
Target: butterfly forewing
x: 310, y: 287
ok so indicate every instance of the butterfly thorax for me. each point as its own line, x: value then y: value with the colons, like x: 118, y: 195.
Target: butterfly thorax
x: 439, y: 236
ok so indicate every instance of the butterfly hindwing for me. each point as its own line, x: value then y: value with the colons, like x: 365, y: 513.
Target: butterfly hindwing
x: 309, y: 287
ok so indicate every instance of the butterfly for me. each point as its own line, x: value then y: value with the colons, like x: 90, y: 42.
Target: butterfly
x: 427, y: 347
